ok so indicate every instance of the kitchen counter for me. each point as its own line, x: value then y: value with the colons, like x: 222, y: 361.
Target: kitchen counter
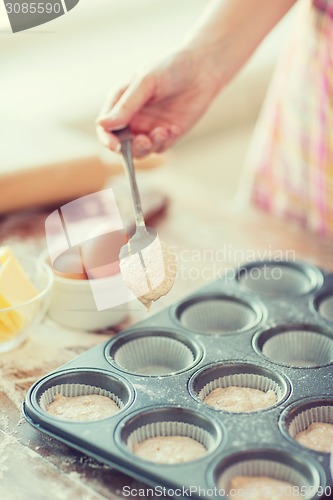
x: 209, y: 235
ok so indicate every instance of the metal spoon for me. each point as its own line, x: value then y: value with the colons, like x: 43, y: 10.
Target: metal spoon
x: 142, y: 237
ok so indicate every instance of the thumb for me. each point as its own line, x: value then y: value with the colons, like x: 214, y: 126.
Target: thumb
x: 132, y: 100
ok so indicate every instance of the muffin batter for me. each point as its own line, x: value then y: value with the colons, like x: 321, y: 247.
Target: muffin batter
x: 169, y: 449
x: 82, y: 408
x: 260, y: 488
x: 240, y: 399
x: 159, y: 277
x: 318, y: 436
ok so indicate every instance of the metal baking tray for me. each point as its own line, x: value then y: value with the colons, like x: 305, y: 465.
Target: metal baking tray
x: 266, y: 324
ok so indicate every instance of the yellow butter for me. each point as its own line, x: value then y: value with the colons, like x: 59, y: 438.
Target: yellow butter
x: 5, y: 252
x: 11, y: 319
x: 11, y: 323
x: 15, y: 288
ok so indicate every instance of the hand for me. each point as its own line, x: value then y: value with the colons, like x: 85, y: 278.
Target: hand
x: 161, y: 105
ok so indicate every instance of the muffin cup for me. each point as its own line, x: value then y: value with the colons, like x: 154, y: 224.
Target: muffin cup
x: 153, y: 353
x: 297, y: 345
x: 81, y: 383
x: 74, y: 390
x: 219, y: 314
x: 275, y: 464
x: 278, y: 279
x: 323, y: 305
x: 301, y: 414
x: 169, y: 421
x: 238, y: 375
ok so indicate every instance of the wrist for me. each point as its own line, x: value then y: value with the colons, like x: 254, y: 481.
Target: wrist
x: 213, y: 58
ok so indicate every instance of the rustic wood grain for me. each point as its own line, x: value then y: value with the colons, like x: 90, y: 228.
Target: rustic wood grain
x: 200, y: 217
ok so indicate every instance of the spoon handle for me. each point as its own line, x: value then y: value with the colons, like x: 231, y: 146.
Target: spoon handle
x: 124, y: 136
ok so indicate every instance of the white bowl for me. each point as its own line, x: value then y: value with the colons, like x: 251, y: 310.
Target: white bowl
x: 89, y: 292
x: 73, y: 304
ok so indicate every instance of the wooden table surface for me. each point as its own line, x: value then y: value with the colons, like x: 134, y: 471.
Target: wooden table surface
x: 200, y: 218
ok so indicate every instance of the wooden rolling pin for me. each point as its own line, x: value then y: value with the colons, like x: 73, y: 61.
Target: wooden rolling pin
x: 54, y: 165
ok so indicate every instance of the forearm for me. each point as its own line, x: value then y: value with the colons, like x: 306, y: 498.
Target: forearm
x: 230, y: 31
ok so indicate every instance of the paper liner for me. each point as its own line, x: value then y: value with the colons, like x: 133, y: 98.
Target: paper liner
x: 325, y: 308
x: 169, y: 429
x: 73, y: 390
x: 299, y: 348
x: 275, y: 279
x: 307, y: 417
x: 218, y: 316
x: 154, y: 355
x: 250, y: 380
x: 267, y: 468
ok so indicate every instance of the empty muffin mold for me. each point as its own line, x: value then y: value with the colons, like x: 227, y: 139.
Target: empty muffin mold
x: 219, y: 314
x: 215, y: 387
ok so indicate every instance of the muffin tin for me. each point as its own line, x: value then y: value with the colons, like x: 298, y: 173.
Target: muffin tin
x: 267, y: 325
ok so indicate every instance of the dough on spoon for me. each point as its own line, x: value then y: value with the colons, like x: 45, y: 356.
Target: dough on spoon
x: 160, y: 263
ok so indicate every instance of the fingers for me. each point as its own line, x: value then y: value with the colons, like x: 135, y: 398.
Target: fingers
x: 159, y: 140
x: 141, y: 146
x: 105, y: 137
x: 164, y: 137
x: 120, y: 109
x: 111, y: 99
x: 108, y: 140
x: 124, y: 104
x: 130, y: 102
x: 158, y: 137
